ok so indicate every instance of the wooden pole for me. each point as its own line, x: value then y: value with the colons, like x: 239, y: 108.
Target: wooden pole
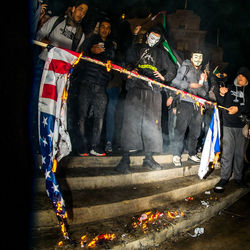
x: 110, y: 66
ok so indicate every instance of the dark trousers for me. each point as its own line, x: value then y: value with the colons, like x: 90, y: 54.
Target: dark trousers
x: 113, y: 94
x: 232, y: 158
x: 188, y: 117
x: 92, y: 102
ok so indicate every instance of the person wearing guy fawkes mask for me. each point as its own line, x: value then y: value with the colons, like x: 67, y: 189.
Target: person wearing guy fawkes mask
x: 141, y: 129
x: 191, y: 79
x: 235, y: 97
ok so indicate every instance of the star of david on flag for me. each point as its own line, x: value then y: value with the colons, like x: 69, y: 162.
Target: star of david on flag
x: 52, y: 120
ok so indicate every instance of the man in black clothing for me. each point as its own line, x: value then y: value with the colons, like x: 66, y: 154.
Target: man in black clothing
x: 142, y: 112
x: 92, y: 88
x: 236, y: 98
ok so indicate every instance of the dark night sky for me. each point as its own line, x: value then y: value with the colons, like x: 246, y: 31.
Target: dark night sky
x: 231, y: 17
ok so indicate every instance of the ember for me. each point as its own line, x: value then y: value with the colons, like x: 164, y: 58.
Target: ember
x: 189, y: 198
x: 145, y: 218
x: 97, y: 240
x: 175, y: 214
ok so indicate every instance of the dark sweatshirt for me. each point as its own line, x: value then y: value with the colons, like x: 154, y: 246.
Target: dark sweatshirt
x: 236, y: 96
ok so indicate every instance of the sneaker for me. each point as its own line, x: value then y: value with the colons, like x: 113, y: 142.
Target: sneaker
x: 151, y: 164
x: 83, y: 151
x: 177, y: 160
x: 194, y: 158
x: 123, y: 166
x: 83, y: 154
x: 219, y: 187
x: 108, y: 148
x: 97, y: 151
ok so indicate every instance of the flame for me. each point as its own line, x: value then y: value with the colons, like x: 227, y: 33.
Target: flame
x: 146, y: 218
x: 54, y: 167
x: 108, y: 65
x: 59, y: 209
x: 100, y: 237
x: 63, y: 230
x: 83, y: 240
x: 77, y: 60
x: 175, y: 214
x: 60, y: 243
x: 189, y: 198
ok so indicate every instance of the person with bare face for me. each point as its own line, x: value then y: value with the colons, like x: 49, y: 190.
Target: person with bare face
x: 93, y: 80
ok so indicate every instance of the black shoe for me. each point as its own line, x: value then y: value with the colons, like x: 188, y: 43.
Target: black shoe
x: 123, y: 167
x: 151, y: 164
x: 240, y: 183
x: 219, y: 187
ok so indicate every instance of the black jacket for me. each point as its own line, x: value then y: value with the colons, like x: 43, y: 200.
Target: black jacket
x: 147, y: 60
x: 94, y: 72
x: 236, y: 96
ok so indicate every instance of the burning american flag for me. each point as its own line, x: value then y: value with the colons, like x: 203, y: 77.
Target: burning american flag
x: 52, y: 121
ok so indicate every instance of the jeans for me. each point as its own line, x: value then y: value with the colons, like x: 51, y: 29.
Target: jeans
x: 92, y: 101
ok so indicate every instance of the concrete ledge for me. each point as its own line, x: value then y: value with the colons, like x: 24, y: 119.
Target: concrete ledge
x: 197, y: 218
x: 96, y: 182
x: 185, y: 186
x: 110, y: 161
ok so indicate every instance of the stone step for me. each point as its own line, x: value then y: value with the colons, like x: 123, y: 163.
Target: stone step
x: 109, y: 161
x: 92, y: 205
x: 165, y: 228
x: 96, y: 178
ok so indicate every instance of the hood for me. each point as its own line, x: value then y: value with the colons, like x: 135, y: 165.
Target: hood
x: 245, y: 72
x: 236, y: 83
x: 187, y: 62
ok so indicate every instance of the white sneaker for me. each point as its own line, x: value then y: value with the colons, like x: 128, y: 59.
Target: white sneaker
x: 177, y: 160
x: 194, y: 158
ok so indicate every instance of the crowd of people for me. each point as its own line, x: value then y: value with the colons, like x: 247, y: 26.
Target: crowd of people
x: 101, y: 98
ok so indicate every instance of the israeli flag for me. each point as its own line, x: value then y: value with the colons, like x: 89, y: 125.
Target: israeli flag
x: 211, y: 149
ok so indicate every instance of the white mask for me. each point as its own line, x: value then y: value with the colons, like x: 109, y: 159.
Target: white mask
x: 152, y: 39
x: 197, y: 59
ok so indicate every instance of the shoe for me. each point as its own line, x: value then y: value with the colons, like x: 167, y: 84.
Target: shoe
x: 177, y: 160
x: 194, y: 158
x: 240, y: 183
x: 83, y: 151
x: 96, y: 151
x: 83, y: 154
x: 151, y: 164
x: 108, y: 148
x: 123, y: 166
x: 219, y: 187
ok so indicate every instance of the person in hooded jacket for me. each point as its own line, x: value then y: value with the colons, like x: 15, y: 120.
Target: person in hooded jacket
x: 235, y: 97
x: 141, y: 129
x: 191, y: 79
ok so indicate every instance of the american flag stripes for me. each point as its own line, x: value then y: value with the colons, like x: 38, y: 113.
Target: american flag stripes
x: 52, y: 120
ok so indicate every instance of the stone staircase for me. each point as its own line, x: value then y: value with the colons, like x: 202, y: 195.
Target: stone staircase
x: 94, y: 192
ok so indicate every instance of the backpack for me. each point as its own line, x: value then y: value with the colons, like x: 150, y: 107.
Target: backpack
x: 77, y: 36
